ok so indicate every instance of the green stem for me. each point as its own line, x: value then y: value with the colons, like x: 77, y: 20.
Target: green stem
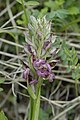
x: 76, y: 87
x: 25, y: 12
x: 35, y: 104
x: 31, y: 108
x: 37, y: 101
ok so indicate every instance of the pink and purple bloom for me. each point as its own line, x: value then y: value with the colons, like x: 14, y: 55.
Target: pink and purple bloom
x: 26, y: 73
x: 27, y: 76
x: 43, y: 69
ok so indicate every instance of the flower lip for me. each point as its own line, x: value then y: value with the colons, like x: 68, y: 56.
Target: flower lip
x: 28, y: 47
x: 42, y: 68
x: 38, y: 63
x: 47, y: 45
x: 51, y: 77
x: 26, y: 73
x: 34, y: 81
x: 25, y: 64
x: 42, y: 74
x: 53, y: 63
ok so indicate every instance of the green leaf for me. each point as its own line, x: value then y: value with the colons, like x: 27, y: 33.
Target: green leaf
x: 31, y: 91
x: 35, y: 13
x: 43, y: 12
x: 61, y: 13
x: 67, y: 51
x: 74, y: 56
x: 69, y: 69
x: 19, y: 22
x: 75, y: 61
x: 1, y: 89
x: 29, y: 3
x: 60, y: 53
x: 20, y: 1
x: 64, y: 57
x: 50, y: 15
x: 73, y: 75
x: 32, y: 3
x: 78, y: 77
x: 59, y: 2
x: 2, y: 116
x: 76, y: 72
x: 43, y: 115
x: 2, y: 80
x: 73, y: 10
x: 51, y: 4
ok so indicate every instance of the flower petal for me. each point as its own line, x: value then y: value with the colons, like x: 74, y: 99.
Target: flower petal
x: 38, y: 63
x: 26, y: 73
x: 28, y: 47
x: 51, y: 77
x: 42, y: 74
x: 34, y: 81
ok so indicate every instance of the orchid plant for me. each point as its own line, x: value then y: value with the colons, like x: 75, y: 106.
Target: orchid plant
x: 40, y: 60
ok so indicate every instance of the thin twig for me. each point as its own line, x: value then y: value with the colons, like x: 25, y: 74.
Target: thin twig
x: 5, y: 10
x: 5, y: 100
x: 11, y: 43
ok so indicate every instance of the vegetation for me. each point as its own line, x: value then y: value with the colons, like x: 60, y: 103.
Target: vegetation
x: 44, y: 33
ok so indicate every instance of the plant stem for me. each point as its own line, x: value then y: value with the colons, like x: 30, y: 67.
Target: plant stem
x: 76, y: 87
x: 31, y: 108
x: 25, y: 13
x: 35, y: 104
x: 37, y: 101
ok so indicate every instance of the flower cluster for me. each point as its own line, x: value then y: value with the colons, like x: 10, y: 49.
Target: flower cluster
x: 38, y: 48
x: 42, y: 69
x: 28, y: 76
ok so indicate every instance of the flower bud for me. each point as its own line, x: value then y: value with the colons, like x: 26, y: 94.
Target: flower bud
x: 51, y: 77
x: 26, y: 73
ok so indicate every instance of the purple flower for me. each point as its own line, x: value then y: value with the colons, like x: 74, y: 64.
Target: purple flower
x: 26, y: 73
x: 42, y: 73
x: 47, y: 45
x: 43, y: 69
x: 33, y: 58
x: 53, y: 63
x: 51, y: 77
x: 37, y: 63
x: 28, y: 48
x: 34, y: 81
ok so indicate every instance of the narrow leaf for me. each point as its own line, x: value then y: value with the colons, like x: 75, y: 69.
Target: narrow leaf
x: 67, y: 52
x: 73, y: 10
x: 2, y: 80
x: 31, y: 91
x: 32, y: 3
x: 19, y: 1
x: 2, y: 116
x: 1, y: 89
